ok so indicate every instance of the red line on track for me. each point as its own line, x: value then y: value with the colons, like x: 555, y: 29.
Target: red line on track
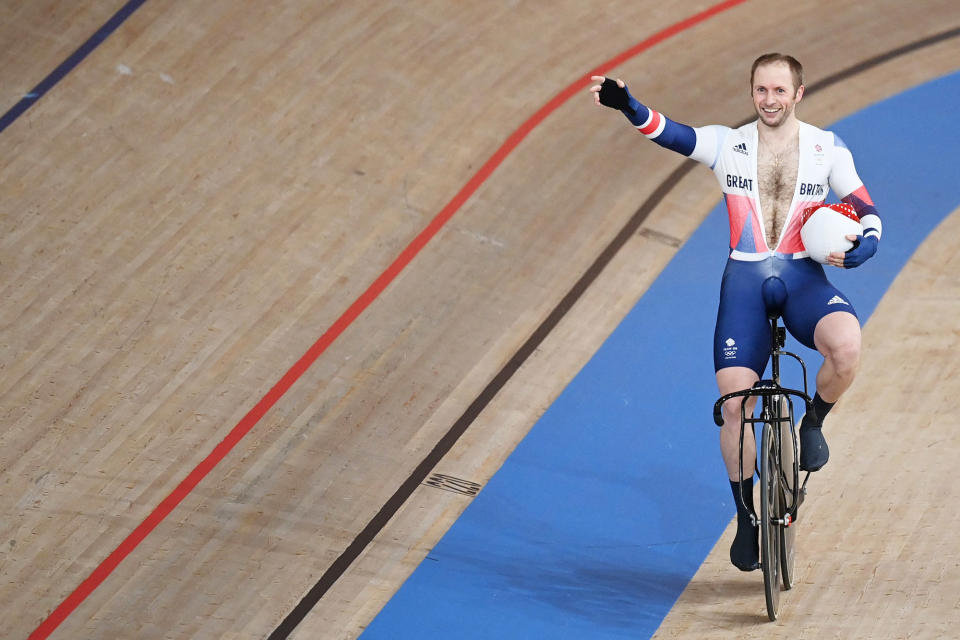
x: 105, y: 568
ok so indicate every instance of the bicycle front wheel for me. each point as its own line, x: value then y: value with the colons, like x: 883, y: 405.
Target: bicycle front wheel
x: 790, y: 474
x: 770, y: 531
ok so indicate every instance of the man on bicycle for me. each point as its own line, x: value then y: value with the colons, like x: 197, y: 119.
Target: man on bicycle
x: 770, y: 170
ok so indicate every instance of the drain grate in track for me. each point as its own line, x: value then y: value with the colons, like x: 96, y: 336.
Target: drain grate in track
x: 456, y: 485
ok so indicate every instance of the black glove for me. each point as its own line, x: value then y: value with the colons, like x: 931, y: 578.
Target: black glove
x: 614, y: 96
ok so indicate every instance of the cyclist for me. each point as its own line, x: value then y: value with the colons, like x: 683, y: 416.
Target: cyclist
x: 770, y: 170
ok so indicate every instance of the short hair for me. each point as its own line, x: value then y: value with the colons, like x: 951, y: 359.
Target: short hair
x: 796, y: 69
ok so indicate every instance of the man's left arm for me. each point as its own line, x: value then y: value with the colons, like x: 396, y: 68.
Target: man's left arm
x: 846, y: 183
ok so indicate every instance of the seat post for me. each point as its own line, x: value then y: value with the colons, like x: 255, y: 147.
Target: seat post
x: 778, y: 337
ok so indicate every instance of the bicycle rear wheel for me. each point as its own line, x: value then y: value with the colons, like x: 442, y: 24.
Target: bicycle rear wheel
x: 790, y: 476
x: 770, y: 531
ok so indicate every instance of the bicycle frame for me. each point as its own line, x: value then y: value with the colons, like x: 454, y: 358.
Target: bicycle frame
x: 768, y: 390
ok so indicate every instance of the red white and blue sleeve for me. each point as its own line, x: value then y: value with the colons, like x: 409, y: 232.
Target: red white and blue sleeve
x: 665, y: 132
x: 701, y: 144
x: 849, y: 188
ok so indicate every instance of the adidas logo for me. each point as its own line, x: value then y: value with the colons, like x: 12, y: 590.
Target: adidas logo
x: 838, y: 300
x: 742, y: 148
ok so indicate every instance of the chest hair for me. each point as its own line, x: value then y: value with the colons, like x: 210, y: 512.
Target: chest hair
x: 777, y: 181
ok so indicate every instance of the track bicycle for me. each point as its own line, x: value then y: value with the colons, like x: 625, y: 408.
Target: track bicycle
x: 781, y: 494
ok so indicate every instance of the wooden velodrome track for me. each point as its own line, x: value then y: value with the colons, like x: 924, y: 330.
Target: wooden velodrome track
x: 194, y: 222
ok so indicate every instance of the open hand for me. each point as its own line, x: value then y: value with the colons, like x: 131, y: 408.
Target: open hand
x: 610, y: 93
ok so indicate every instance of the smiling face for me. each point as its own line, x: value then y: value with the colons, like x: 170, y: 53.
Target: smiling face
x: 774, y: 94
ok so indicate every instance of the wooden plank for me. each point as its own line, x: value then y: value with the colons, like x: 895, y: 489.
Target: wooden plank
x: 197, y: 203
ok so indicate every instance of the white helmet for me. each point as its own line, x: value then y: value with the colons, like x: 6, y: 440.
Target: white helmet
x: 825, y: 227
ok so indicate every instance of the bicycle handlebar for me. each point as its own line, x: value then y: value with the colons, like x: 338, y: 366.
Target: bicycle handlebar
x: 757, y: 391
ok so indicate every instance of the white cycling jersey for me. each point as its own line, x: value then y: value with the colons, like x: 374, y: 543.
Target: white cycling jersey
x: 824, y: 163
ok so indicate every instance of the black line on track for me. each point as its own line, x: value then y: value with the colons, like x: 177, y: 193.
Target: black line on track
x: 70, y: 63
x: 420, y: 473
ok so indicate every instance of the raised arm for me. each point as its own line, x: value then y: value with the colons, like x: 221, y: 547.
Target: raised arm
x: 700, y: 144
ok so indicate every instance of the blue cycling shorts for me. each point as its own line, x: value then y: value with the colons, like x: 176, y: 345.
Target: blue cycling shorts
x: 802, y: 296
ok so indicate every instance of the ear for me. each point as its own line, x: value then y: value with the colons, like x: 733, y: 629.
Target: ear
x: 800, y: 93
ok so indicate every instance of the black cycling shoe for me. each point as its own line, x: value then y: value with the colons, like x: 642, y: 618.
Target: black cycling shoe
x: 814, y: 452
x: 745, y: 550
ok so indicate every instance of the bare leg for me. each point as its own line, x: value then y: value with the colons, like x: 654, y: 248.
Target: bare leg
x: 745, y: 551
x: 837, y: 337
x: 729, y: 380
